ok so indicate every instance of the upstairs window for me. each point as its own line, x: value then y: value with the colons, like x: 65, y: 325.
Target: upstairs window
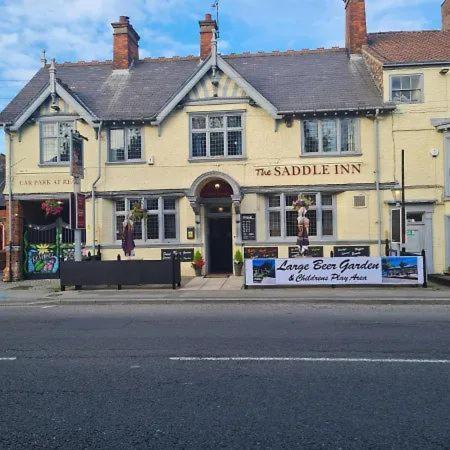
x: 55, y: 142
x: 216, y: 136
x: 407, y: 88
x: 125, y: 144
x: 330, y: 136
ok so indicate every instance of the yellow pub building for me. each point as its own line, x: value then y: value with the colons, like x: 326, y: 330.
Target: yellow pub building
x: 216, y: 148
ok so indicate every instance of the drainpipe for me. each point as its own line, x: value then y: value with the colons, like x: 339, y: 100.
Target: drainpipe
x: 99, y: 174
x: 10, y: 208
x: 378, y: 180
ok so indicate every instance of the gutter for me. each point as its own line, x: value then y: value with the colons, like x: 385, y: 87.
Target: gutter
x: 378, y: 180
x: 94, y: 184
x: 10, y: 209
x: 386, y: 107
x: 416, y: 64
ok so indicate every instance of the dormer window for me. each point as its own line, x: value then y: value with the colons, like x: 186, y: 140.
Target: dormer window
x: 407, y: 88
x: 125, y: 144
x: 55, y: 141
x: 216, y: 136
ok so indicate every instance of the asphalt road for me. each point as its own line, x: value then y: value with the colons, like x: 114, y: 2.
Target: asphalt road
x: 105, y: 377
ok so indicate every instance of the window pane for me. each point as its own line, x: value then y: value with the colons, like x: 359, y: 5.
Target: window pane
x: 234, y: 143
x: 416, y: 96
x: 348, y: 135
x: 327, y: 200
x: 169, y: 204
x: 216, y: 144
x: 199, y: 123
x: 49, y: 129
x: 312, y: 216
x: 134, y: 143
x: 406, y: 82
x: 198, y: 144
x: 234, y: 121
x: 169, y: 226
x: 329, y: 136
x: 290, y: 199
x: 274, y: 201
x: 50, y: 150
x: 311, y: 136
x: 396, y: 84
x: 152, y: 204
x: 311, y: 198
x: 415, y: 82
x: 291, y: 223
x: 64, y: 140
x: 117, y: 145
x: 137, y: 229
x: 327, y: 223
x: 119, y: 227
x: 274, y: 224
x: 120, y: 205
x: 152, y: 226
x: 216, y: 122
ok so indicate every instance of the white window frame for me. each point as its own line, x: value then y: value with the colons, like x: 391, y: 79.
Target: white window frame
x: 283, y: 208
x: 339, y: 151
x: 421, y: 88
x: 45, y: 121
x: 161, y: 212
x: 126, y: 134
x: 224, y: 130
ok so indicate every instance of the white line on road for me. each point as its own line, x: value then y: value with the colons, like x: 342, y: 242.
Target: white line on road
x: 8, y: 359
x: 50, y: 306
x: 344, y: 360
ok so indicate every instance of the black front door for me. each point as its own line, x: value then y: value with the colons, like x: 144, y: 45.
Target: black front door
x: 220, y: 245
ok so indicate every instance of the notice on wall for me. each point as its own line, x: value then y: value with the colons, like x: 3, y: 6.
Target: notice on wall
x: 185, y: 254
x: 351, y: 252
x: 313, y: 252
x: 248, y: 224
x: 335, y: 271
x: 260, y: 252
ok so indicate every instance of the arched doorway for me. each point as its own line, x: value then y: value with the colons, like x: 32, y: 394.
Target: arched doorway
x: 216, y: 197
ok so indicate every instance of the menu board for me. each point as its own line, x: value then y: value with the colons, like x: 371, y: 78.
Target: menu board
x: 185, y: 254
x: 313, y: 252
x: 248, y: 224
x: 351, y: 252
x: 260, y: 252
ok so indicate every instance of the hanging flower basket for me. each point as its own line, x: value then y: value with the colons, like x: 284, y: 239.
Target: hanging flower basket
x: 52, y: 207
x: 137, y: 213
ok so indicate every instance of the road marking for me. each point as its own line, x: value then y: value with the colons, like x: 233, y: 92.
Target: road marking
x: 8, y: 359
x: 288, y: 358
x: 50, y: 306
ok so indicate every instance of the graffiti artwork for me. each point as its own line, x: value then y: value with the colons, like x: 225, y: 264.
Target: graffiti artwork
x: 42, y: 259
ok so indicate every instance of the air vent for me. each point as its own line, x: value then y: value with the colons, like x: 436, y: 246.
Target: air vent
x: 359, y: 201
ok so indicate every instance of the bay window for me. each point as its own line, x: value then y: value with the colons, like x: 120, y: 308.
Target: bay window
x: 55, y: 141
x: 330, y: 136
x: 160, y: 223
x: 282, y: 218
x: 216, y: 135
x: 125, y: 144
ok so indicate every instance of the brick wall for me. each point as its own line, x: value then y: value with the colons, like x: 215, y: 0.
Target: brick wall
x: 125, y: 44
x: 446, y: 15
x: 375, y: 68
x: 16, y: 256
x: 356, y: 25
x: 207, y: 26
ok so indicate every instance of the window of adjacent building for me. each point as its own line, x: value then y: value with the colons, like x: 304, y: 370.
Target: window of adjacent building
x: 55, y: 142
x: 282, y: 218
x: 125, y: 144
x: 330, y: 136
x: 407, y: 88
x: 216, y: 136
x: 160, y: 225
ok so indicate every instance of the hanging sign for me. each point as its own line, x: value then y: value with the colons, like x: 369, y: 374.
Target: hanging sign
x: 77, y: 211
x: 248, y: 224
x: 76, y: 155
x: 335, y: 271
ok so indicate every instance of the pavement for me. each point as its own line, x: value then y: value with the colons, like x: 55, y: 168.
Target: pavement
x: 199, y: 376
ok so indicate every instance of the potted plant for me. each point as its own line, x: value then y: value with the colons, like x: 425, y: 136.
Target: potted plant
x: 238, y: 263
x: 137, y: 213
x: 198, y: 263
x: 52, y: 207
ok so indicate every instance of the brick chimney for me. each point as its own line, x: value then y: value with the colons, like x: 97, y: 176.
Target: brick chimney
x: 207, y: 27
x: 446, y: 15
x: 355, y: 25
x: 126, y: 44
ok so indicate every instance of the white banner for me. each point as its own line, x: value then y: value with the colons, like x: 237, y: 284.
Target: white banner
x: 407, y: 270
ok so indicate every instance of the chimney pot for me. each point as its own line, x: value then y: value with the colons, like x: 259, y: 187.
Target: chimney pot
x: 355, y: 25
x: 445, y: 9
x: 207, y: 28
x: 125, y: 44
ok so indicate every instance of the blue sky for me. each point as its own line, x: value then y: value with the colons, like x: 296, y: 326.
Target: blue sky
x: 80, y: 29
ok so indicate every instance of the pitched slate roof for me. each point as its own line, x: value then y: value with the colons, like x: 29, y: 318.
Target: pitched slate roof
x: 403, y: 47
x: 292, y: 81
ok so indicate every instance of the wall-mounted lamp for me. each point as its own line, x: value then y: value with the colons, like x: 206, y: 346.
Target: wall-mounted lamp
x: 217, y: 186
x: 444, y: 71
